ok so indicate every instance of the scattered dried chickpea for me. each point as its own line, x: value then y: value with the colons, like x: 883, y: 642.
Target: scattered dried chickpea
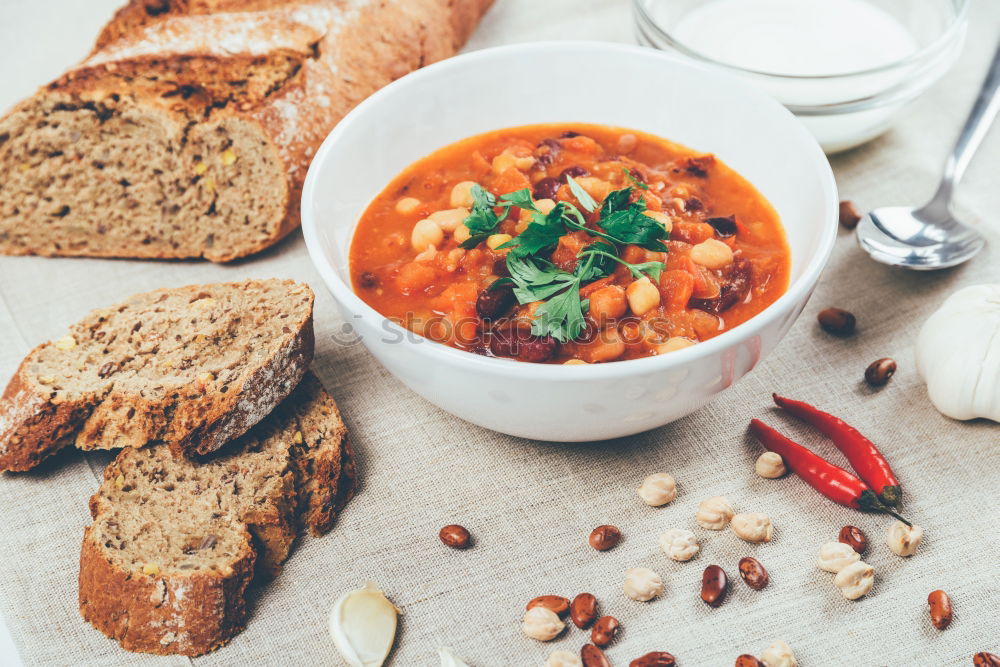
x: 770, y: 465
x: 657, y: 489
x: 714, y: 513
x: 752, y: 527
x: 661, y: 218
x: 679, y: 544
x: 461, y: 194
x: 835, y: 556
x: 778, y: 654
x: 643, y: 296
x: 642, y: 584
x: 407, y: 205
x: 903, y: 539
x: 542, y: 623
x: 712, y: 254
x: 855, y: 580
x: 426, y: 233
x: 563, y: 659
x: 673, y: 344
x: 450, y: 218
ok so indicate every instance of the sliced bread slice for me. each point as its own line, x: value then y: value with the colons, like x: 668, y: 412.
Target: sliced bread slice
x: 193, y: 367
x: 165, y: 566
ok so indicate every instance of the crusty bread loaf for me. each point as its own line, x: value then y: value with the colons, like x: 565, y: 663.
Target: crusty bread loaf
x: 193, y: 367
x: 189, y: 130
x: 165, y: 566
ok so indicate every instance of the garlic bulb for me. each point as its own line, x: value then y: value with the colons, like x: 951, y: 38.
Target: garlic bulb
x: 363, y: 626
x: 958, y: 354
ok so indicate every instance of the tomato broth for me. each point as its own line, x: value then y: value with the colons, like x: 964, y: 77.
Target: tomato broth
x: 569, y: 243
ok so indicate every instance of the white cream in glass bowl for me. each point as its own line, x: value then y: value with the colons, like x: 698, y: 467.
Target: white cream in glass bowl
x: 846, y: 68
x: 592, y: 82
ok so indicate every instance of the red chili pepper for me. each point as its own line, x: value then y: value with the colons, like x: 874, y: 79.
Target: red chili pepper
x: 832, y: 481
x: 861, y: 452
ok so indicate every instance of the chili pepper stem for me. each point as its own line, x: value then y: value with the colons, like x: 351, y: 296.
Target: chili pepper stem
x: 870, y: 502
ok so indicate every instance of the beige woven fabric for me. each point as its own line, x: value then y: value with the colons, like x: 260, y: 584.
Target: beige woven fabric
x: 531, y: 505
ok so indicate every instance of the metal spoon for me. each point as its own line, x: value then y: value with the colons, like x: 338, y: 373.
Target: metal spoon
x: 929, y: 237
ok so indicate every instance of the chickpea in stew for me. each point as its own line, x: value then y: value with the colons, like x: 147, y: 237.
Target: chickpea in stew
x: 569, y: 244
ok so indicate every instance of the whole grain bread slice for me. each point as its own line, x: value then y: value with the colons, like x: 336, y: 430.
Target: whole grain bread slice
x: 165, y: 566
x: 193, y: 367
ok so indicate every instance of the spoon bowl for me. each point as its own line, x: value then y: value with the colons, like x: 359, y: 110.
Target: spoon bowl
x: 917, y: 238
x: 929, y: 237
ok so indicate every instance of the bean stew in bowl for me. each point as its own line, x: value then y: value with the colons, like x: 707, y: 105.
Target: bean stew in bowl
x: 571, y: 244
x: 585, y: 233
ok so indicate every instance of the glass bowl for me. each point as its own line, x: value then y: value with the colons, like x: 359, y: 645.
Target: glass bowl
x: 843, y: 103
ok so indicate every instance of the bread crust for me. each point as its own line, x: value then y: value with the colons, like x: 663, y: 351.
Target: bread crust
x: 33, y: 426
x: 190, y: 615
x: 346, y: 51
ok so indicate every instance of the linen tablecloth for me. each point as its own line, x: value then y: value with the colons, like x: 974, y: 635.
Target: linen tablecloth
x: 531, y: 505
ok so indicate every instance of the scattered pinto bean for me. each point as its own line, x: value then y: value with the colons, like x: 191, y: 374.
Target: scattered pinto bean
x: 714, y: 585
x: 724, y: 227
x: 879, y: 371
x: 556, y: 603
x: 546, y: 188
x: 603, y: 538
x: 747, y: 660
x: 494, y: 303
x: 604, y: 630
x: 855, y: 537
x: 583, y: 610
x: 593, y: 656
x: 940, y: 607
x: 837, y: 321
x: 986, y: 659
x: 849, y: 216
x: 513, y: 342
x: 576, y: 171
x: 654, y: 659
x: 455, y: 536
x: 754, y: 573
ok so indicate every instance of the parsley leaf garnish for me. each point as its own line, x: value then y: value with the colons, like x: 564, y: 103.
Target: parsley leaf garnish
x: 483, y: 218
x: 534, y: 279
x: 651, y: 269
x: 628, y: 223
x: 586, y: 201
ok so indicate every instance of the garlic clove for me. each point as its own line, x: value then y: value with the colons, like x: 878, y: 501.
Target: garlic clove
x: 449, y: 659
x: 958, y: 354
x: 363, y: 626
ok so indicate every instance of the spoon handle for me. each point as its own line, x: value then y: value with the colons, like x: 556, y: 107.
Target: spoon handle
x: 978, y: 124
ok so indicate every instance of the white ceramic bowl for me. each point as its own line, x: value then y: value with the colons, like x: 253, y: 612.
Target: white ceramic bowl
x: 587, y: 82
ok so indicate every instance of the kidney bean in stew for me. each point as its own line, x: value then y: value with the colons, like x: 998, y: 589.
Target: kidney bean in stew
x: 428, y: 266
